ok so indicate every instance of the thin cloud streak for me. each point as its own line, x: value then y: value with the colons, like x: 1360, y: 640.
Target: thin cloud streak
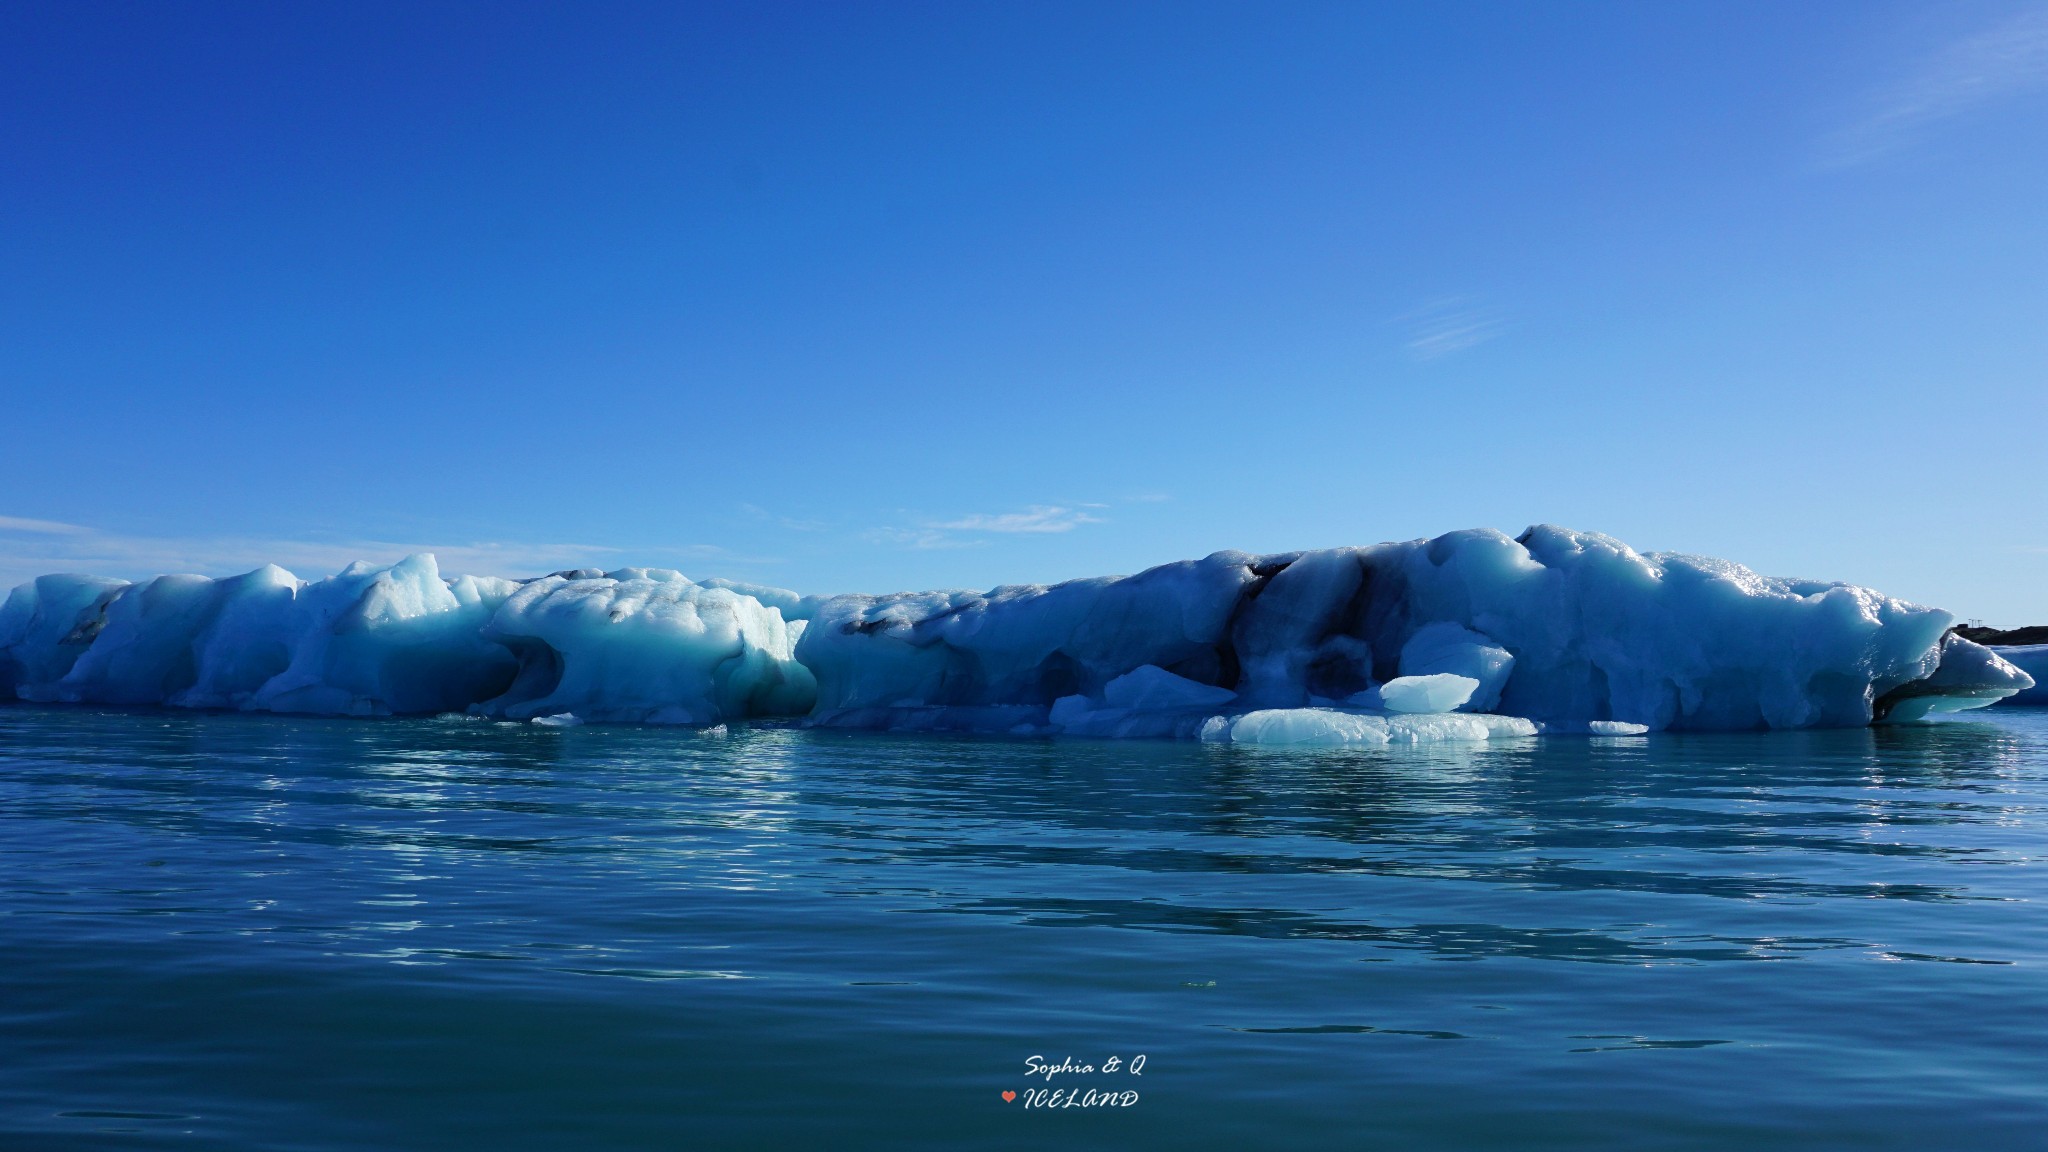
x: 792, y: 523
x: 1036, y: 518
x: 40, y: 527
x: 1446, y: 327
x: 921, y: 539
x: 1965, y: 75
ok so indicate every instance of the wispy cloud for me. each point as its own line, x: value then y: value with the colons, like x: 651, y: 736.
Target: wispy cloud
x: 1449, y: 326
x: 792, y: 523
x: 1961, y: 76
x: 1036, y: 518
x: 919, y: 538
x: 39, y: 527
x: 31, y: 548
x: 974, y: 528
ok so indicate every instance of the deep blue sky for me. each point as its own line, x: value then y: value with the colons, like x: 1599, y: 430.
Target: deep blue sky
x: 848, y: 297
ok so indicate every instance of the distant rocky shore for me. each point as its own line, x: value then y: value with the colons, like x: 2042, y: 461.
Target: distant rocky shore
x: 2004, y: 637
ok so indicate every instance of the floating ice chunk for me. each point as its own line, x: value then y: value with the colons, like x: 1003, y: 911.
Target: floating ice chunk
x: 1447, y: 647
x: 1504, y: 727
x: 652, y: 648
x: 1615, y: 728
x: 559, y: 720
x: 1314, y: 727
x: 1328, y: 727
x: 1441, y: 692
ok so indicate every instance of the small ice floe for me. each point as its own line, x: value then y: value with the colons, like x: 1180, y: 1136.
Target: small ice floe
x: 715, y: 732
x: 1328, y: 727
x: 1437, y: 692
x: 1616, y: 728
x: 559, y: 720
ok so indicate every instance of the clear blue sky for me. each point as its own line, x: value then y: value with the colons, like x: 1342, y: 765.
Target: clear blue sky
x: 867, y: 297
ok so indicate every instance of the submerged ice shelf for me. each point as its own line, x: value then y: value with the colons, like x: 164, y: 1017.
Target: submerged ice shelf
x: 1468, y: 636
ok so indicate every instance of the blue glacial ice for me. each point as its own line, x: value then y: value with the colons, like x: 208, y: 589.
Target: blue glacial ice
x: 2033, y: 660
x: 1468, y: 636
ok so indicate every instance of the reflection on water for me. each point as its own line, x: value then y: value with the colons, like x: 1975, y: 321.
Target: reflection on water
x: 1750, y: 818
x: 925, y: 894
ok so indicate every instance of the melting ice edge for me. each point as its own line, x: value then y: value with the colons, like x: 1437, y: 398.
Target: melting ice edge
x: 1468, y: 636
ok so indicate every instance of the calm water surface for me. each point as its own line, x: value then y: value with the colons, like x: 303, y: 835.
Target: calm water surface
x: 253, y: 932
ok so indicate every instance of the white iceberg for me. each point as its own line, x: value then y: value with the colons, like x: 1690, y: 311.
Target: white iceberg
x: 1471, y: 635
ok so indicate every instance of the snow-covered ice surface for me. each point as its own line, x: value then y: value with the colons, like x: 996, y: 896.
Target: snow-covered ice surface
x: 1468, y: 636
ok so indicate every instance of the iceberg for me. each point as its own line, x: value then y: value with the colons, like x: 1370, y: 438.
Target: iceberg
x: 1472, y: 635
x: 1559, y: 627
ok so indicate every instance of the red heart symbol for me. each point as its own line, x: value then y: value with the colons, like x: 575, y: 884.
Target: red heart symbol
x: 1009, y: 1096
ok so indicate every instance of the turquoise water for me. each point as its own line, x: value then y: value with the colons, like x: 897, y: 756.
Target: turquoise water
x: 252, y: 932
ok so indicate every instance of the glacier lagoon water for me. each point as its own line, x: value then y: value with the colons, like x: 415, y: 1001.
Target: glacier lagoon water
x: 239, y: 931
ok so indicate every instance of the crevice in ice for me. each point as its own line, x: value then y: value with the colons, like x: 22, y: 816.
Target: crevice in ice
x: 537, y: 673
